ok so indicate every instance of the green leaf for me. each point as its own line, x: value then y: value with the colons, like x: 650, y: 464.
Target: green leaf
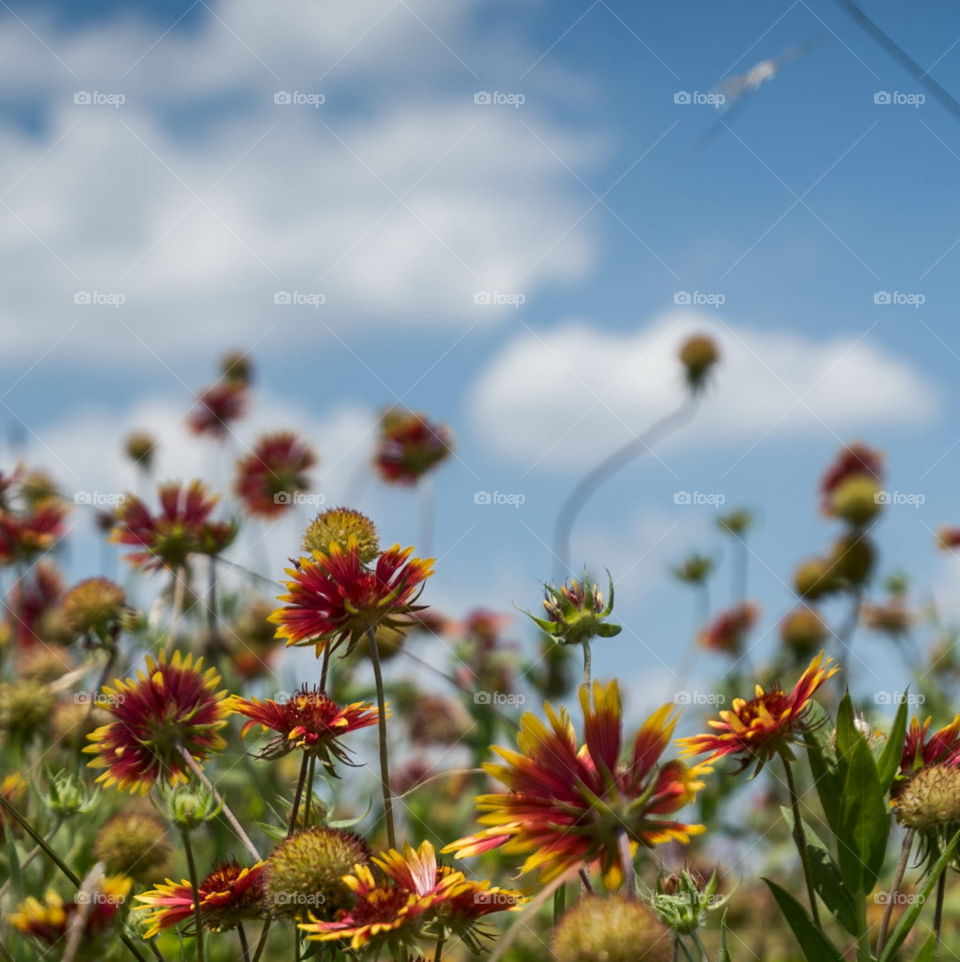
x: 827, y: 778
x: 827, y: 879
x: 724, y: 955
x: 816, y: 947
x: 909, y: 917
x: 847, y: 734
x: 928, y: 952
x: 864, y: 822
x: 890, y: 757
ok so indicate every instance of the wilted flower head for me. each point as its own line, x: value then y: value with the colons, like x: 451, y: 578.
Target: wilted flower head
x: 133, y: 843
x: 181, y: 528
x: 336, y: 598
x: 307, y: 720
x: 755, y: 730
x: 728, y: 630
x: 576, y: 612
x: 217, y: 407
x: 140, y: 448
x: 611, y: 929
x: 229, y: 895
x: 171, y: 708
x: 338, y: 526
x: 567, y: 804
x: 49, y: 921
x: 698, y: 355
x: 410, y: 446
x: 305, y: 872
x: 94, y: 608
x: 410, y: 897
x: 273, y: 473
x: 854, y: 461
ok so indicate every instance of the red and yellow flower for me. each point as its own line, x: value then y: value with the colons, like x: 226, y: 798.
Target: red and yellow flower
x: 568, y: 804
x: 172, y: 708
x: 854, y: 461
x: 728, y: 630
x: 308, y: 720
x: 268, y: 477
x: 24, y: 535
x: 229, y: 895
x: 180, y: 529
x: 758, y: 728
x: 411, y: 896
x: 334, y: 597
x: 217, y: 406
x: 49, y: 921
x: 921, y: 748
x: 410, y: 446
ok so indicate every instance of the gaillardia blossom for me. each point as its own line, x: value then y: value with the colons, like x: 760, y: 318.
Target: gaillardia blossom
x: 568, y: 804
x: 217, y: 406
x: 229, y: 895
x: 23, y: 535
x: 181, y: 528
x: 921, y: 749
x: 410, y: 446
x: 336, y: 597
x: 411, y: 897
x: 172, y: 707
x: 757, y: 729
x: 308, y: 720
x: 727, y: 631
x: 272, y: 473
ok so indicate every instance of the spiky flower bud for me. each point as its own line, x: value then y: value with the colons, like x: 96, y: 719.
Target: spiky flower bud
x: 856, y: 500
x: 852, y: 559
x: 338, y: 526
x: 611, y: 929
x: 189, y: 806
x: 804, y: 631
x: 304, y: 873
x: 133, y: 843
x: 930, y: 800
x: 67, y: 795
x: 682, y: 900
x: 698, y: 355
x: 814, y: 578
x: 576, y: 612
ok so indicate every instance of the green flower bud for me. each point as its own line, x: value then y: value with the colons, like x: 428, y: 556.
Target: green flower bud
x: 189, y: 806
x: 576, y: 612
x: 67, y: 795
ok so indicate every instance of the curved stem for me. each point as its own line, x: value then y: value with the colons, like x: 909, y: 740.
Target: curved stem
x: 195, y: 887
x: 800, y: 839
x: 894, y: 889
x: 384, y: 751
x: 577, y: 499
x: 227, y: 811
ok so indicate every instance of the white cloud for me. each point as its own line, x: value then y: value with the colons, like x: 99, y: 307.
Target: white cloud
x: 562, y: 397
x: 199, y: 198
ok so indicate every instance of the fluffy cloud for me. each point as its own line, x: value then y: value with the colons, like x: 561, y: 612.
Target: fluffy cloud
x: 556, y: 398
x: 198, y: 198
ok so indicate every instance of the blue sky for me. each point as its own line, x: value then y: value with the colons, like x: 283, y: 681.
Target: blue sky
x: 398, y: 199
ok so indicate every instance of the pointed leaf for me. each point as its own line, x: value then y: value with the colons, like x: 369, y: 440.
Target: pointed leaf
x: 816, y: 947
x: 864, y: 822
x: 890, y: 757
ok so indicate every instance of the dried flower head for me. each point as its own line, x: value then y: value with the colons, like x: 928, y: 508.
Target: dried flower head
x: 94, y: 608
x: 133, y: 843
x: 611, y: 929
x: 338, y: 526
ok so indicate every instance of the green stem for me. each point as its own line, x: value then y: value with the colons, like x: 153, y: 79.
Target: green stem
x: 384, y: 750
x: 587, y: 663
x: 559, y: 903
x: 195, y: 886
x: 295, y: 809
x: 894, y: 890
x: 262, y: 944
x: 179, y: 589
x: 438, y: 952
x: 800, y: 839
x: 244, y: 945
x: 700, y: 946
x: 938, y: 912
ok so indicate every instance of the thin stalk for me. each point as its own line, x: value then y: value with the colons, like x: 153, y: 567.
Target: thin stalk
x: 384, y: 750
x: 295, y: 810
x: 559, y: 903
x: 585, y: 882
x: 938, y: 913
x: 698, y: 942
x: 244, y: 945
x: 686, y: 951
x: 214, y: 641
x: 195, y: 887
x: 262, y: 944
x: 438, y: 951
x: 894, y: 889
x: 309, y: 802
x: 587, y: 663
x: 427, y: 514
x: 179, y: 589
x: 577, y: 500
x: 227, y: 811
x: 800, y: 839
x: 324, y: 667
x: 629, y: 872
